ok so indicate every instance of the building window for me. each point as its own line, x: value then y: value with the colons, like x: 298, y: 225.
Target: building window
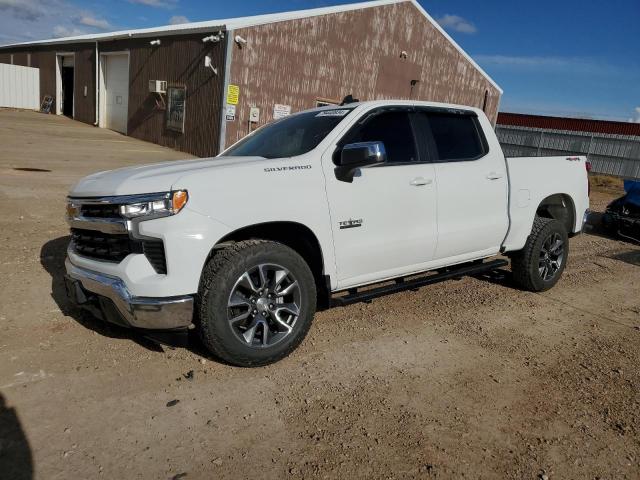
x: 176, y: 99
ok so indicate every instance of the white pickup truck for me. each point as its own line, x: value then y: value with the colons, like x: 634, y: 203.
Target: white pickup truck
x: 304, y: 212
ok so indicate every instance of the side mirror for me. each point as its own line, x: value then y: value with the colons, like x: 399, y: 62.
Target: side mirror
x: 358, y: 155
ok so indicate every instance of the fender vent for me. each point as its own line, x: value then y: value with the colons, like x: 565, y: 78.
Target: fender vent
x: 154, y: 251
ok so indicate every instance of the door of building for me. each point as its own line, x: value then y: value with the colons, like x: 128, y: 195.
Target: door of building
x: 116, y: 90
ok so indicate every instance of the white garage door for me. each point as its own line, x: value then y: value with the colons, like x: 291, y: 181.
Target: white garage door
x: 116, y: 92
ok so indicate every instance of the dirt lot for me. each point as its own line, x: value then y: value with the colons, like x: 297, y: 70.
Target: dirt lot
x: 468, y: 379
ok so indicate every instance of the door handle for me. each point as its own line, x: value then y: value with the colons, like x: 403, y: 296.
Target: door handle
x: 495, y: 176
x: 421, y: 182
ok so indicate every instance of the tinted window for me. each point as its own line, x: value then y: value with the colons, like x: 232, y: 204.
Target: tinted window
x: 456, y: 137
x: 394, y: 130
x: 290, y: 137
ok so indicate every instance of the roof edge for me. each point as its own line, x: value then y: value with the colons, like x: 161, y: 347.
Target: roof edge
x: 245, y: 22
x: 208, y: 25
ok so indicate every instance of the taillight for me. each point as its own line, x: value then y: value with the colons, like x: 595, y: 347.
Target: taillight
x: 587, y: 165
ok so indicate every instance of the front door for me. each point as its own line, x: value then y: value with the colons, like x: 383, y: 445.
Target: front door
x: 384, y: 223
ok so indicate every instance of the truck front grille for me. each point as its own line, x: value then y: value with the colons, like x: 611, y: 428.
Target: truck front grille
x: 115, y: 248
x: 103, y: 246
x: 100, y: 232
x: 100, y: 211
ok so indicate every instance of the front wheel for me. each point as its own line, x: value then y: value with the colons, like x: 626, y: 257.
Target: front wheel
x: 256, y: 302
x: 539, y: 265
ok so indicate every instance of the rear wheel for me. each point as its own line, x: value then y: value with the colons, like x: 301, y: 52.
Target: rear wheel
x: 539, y: 265
x: 256, y: 302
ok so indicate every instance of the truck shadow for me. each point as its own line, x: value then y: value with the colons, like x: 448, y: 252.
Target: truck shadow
x: 16, y: 459
x: 52, y: 256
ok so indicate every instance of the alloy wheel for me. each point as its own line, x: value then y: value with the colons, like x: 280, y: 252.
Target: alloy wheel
x: 551, y: 257
x: 264, y: 305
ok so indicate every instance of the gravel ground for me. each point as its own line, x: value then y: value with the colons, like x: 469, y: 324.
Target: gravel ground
x: 466, y: 379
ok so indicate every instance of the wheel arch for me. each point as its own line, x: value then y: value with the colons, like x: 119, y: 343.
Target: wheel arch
x: 560, y: 207
x: 296, y: 236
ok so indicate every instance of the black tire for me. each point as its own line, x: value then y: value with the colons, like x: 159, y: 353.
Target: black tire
x: 526, y: 263
x: 219, y: 277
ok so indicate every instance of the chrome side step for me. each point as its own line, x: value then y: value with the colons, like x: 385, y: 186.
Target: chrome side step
x: 401, y: 284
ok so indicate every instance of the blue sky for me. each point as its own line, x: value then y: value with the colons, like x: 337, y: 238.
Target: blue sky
x: 563, y: 57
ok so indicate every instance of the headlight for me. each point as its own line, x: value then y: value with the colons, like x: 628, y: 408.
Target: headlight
x: 156, y: 205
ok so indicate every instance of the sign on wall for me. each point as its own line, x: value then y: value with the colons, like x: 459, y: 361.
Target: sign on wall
x: 233, y: 94
x: 281, y: 111
x: 254, y: 115
x: 231, y: 113
x: 176, y: 99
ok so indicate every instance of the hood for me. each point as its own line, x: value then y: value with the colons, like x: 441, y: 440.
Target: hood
x: 160, y: 177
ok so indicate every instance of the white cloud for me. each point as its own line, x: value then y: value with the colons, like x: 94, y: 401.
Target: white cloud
x: 524, y: 61
x: 636, y: 119
x: 28, y: 20
x: 30, y: 10
x: 89, y: 20
x: 178, y: 19
x: 156, y: 3
x: 457, y: 24
x: 592, y: 67
x: 64, y: 31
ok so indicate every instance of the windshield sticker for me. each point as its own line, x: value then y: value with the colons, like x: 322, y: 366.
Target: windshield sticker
x: 333, y: 113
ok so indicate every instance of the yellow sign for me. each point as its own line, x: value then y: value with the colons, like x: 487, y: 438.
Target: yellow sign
x: 233, y: 94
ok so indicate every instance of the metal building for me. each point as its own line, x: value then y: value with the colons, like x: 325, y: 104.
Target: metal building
x: 199, y: 87
x: 613, y: 148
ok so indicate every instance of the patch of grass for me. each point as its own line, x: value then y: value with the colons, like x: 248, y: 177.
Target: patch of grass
x: 606, y: 183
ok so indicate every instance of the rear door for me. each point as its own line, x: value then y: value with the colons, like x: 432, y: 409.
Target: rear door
x: 472, y: 186
x: 384, y: 223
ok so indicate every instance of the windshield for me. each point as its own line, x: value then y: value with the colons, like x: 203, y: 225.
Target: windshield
x: 291, y: 136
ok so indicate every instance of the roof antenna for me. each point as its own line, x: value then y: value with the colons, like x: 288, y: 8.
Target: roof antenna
x: 349, y: 99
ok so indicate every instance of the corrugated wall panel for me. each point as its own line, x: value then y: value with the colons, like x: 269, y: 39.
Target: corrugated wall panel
x: 44, y: 58
x: 360, y: 52
x: 617, y: 155
x: 180, y: 61
x: 19, y: 87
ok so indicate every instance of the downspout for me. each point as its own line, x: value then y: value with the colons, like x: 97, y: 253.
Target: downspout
x: 225, y: 87
x: 97, y: 95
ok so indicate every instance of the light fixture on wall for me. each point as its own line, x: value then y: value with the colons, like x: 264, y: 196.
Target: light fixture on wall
x: 215, y: 38
x: 208, y: 63
x: 240, y: 41
x: 155, y: 43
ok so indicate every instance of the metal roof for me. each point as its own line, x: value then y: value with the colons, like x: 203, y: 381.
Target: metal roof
x: 244, y: 22
x: 571, y: 124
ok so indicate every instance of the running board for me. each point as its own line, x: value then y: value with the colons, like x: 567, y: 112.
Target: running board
x: 401, y: 284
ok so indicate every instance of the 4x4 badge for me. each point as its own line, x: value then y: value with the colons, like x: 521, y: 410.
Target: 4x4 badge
x: 350, y: 224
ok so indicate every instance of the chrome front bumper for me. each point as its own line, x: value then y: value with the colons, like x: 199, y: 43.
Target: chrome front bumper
x: 83, y: 286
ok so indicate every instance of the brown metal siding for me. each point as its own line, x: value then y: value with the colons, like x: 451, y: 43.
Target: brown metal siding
x: 358, y: 52
x: 572, y: 124
x: 44, y: 58
x: 85, y: 75
x: 180, y: 61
